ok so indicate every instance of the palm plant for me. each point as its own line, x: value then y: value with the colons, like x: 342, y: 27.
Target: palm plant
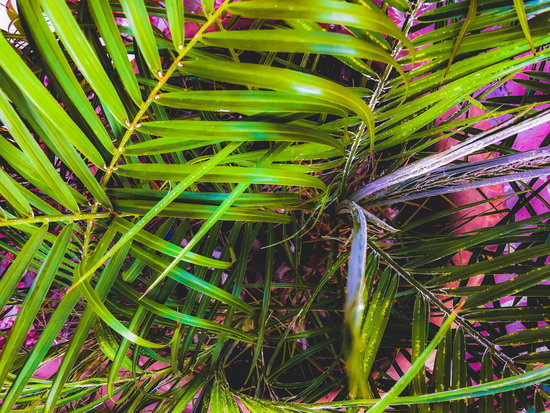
x: 211, y: 217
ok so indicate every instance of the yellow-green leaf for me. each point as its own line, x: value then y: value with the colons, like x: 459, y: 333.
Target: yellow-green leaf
x: 9, y: 189
x: 103, y: 16
x: 522, y: 16
x: 43, y: 102
x: 138, y: 18
x: 176, y: 20
x: 84, y: 56
x: 472, y: 11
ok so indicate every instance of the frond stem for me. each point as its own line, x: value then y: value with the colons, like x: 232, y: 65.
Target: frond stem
x: 144, y: 106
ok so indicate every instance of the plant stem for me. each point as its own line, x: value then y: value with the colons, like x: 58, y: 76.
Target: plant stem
x: 144, y: 106
x: 373, y: 102
x: 381, y: 86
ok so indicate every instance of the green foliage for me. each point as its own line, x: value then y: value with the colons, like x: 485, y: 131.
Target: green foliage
x: 216, y: 218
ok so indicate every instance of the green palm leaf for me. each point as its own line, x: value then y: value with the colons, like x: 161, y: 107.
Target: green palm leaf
x: 181, y: 201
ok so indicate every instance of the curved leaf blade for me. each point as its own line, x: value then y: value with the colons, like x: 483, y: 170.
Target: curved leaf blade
x: 16, y: 270
x: 322, y: 11
x: 235, y: 174
x: 271, y: 200
x: 192, y: 211
x: 176, y: 21
x: 286, y: 80
x: 83, y: 55
x: 507, y: 288
x: 58, y: 64
x: 420, y: 328
x: 179, y: 134
x: 468, y: 21
x: 41, y: 99
x: 522, y: 16
x: 393, y: 394
x: 30, y: 147
x: 165, y: 247
x: 40, y: 350
x: 11, y: 192
x: 302, y: 41
x: 190, y: 280
x: 138, y: 18
x: 103, y: 16
x: 33, y: 302
x: 244, y: 101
